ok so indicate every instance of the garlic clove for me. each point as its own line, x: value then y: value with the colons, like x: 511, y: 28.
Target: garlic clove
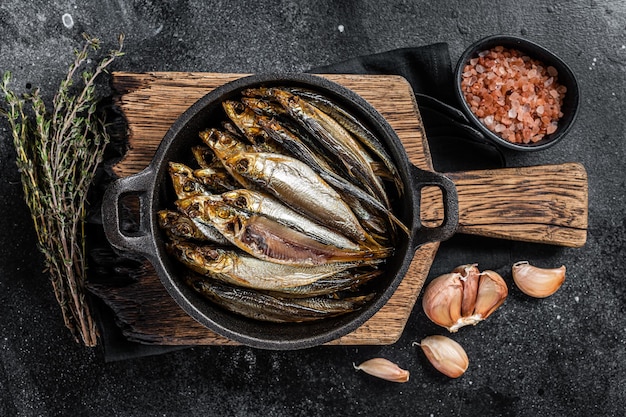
x: 492, y: 291
x: 470, y: 276
x: 384, y: 369
x: 446, y: 355
x: 442, y: 300
x: 537, y: 282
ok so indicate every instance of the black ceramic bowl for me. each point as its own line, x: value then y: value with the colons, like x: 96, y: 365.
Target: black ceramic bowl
x: 565, y: 77
x: 155, y: 193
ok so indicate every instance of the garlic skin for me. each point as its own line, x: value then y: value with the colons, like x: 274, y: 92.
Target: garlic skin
x: 446, y: 355
x: 384, y: 369
x: 537, y: 282
x: 492, y: 291
x: 443, y: 298
x: 464, y: 296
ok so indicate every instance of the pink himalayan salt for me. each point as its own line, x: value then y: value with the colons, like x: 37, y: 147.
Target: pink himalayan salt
x: 519, y: 96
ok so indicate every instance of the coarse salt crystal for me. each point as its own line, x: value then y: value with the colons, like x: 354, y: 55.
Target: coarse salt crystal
x: 551, y: 128
x: 512, y: 94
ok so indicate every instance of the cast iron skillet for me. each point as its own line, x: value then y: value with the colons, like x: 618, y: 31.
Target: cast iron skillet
x: 152, y: 186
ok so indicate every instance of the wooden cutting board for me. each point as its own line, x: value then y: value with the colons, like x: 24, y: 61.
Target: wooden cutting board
x: 545, y: 204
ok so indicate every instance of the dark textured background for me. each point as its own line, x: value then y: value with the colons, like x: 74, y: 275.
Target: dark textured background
x: 564, y: 355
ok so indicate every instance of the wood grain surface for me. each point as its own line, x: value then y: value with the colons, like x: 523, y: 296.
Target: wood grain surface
x: 544, y: 204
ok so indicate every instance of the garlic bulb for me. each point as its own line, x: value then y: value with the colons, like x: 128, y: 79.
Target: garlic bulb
x: 464, y: 296
x: 384, y: 369
x: 537, y: 282
x: 446, y: 355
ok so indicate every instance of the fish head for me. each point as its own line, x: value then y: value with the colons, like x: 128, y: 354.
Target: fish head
x: 207, y: 176
x: 166, y: 218
x: 176, y: 223
x: 196, y: 206
x: 242, y: 199
x: 263, y: 107
x: 224, y: 144
x: 227, y: 219
x: 247, y: 121
x: 183, y: 251
x: 184, y: 182
x: 218, y: 259
x: 176, y: 168
x: 238, y: 112
x: 214, y: 211
x: 199, y: 258
x: 249, y: 165
x: 258, y: 105
x: 203, y: 155
x: 191, y: 206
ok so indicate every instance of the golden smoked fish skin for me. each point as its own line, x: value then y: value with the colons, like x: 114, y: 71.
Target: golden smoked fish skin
x: 267, y: 307
x: 234, y: 267
x: 268, y: 239
x: 296, y: 184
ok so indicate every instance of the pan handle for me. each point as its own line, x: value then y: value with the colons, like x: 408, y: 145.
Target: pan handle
x: 425, y: 234
x: 138, y: 184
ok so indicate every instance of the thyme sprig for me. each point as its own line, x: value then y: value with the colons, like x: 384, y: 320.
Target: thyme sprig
x: 58, y: 152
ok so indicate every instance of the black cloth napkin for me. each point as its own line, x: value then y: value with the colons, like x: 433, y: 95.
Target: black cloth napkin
x: 455, y: 145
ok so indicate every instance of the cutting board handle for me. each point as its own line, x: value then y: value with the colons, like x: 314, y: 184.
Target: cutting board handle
x: 543, y: 203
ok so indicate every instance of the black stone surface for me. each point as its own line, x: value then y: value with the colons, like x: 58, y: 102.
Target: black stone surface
x: 564, y: 355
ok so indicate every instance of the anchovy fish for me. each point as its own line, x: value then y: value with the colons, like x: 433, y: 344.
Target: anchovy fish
x: 238, y: 268
x: 184, y: 182
x: 295, y: 183
x: 261, y: 203
x: 268, y: 239
x: 226, y: 145
x: 264, y: 307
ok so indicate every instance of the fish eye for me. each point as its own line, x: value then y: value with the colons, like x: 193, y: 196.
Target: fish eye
x: 242, y: 165
x: 241, y: 202
x: 208, y: 157
x: 209, y: 254
x: 189, y: 186
x: 223, y: 213
x: 225, y: 140
x: 239, y: 108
